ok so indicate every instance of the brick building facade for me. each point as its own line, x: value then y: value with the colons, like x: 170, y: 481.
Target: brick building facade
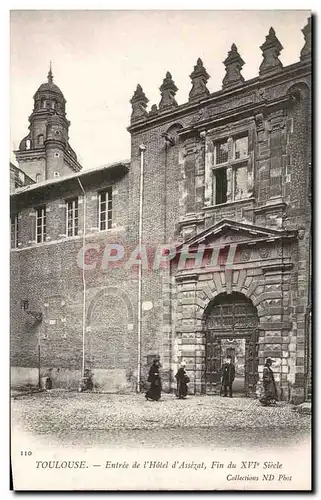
x: 223, y: 182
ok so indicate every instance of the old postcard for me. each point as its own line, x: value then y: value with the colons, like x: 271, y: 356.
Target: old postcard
x: 160, y: 331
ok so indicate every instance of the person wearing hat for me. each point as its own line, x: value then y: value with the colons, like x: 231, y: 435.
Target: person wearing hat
x: 270, y: 393
x: 182, y: 381
x: 228, y: 376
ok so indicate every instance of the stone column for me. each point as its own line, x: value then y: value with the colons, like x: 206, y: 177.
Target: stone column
x: 188, y: 327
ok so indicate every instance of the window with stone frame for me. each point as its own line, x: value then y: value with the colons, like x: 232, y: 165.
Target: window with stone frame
x: 14, y: 231
x: 221, y: 152
x: 230, y: 169
x: 72, y: 217
x: 41, y: 224
x: 105, y: 209
x: 40, y: 140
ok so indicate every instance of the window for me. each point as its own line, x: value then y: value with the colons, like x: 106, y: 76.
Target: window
x: 105, y: 209
x: 24, y: 305
x: 14, y: 231
x: 40, y: 139
x: 38, y: 177
x: 230, y: 170
x: 240, y: 182
x: 41, y: 225
x: 221, y: 152
x: 221, y: 186
x: 72, y: 217
x: 28, y: 144
x: 241, y: 147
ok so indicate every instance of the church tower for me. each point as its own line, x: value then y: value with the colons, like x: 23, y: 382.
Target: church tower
x: 45, y: 152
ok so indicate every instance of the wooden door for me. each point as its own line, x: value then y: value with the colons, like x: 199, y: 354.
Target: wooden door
x: 213, y: 364
x: 251, y: 363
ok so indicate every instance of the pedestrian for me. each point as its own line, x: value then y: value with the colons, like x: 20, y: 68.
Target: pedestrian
x: 155, y: 389
x: 228, y: 376
x: 270, y: 394
x: 182, y: 381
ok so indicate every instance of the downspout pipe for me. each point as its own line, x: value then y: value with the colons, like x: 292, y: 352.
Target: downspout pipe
x: 83, y: 278
x: 142, y: 149
x: 169, y: 141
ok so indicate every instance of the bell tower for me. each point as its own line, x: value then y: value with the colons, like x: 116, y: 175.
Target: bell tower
x: 45, y: 152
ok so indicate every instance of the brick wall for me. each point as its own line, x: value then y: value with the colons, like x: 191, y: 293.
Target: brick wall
x: 177, y: 176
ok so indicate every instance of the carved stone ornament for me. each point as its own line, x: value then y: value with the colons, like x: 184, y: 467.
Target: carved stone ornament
x: 307, y: 32
x: 168, y: 90
x: 301, y: 233
x: 139, y: 103
x: 259, y: 121
x: 264, y: 253
x: 233, y: 66
x: 154, y: 110
x: 199, y: 116
x: 271, y: 49
x: 260, y: 95
x: 245, y: 255
x: 199, y: 79
x: 294, y: 95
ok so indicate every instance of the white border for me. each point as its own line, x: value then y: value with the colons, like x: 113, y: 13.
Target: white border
x: 94, y: 5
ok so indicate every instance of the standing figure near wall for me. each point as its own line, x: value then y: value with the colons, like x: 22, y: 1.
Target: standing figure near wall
x: 228, y: 376
x: 182, y: 381
x: 155, y: 389
x: 270, y: 393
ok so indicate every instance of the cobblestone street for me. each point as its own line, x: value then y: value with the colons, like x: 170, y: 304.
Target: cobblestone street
x: 130, y: 420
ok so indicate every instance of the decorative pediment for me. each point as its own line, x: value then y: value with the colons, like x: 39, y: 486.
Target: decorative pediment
x: 228, y: 231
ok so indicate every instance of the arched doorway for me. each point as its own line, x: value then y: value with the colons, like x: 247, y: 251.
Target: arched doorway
x: 230, y: 326
x: 110, y: 342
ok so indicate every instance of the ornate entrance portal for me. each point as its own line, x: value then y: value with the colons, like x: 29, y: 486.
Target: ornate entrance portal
x: 231, y: 327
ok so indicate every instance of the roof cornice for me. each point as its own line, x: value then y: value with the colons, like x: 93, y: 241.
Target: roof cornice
x: 287, y: 73
x: 119, y: 168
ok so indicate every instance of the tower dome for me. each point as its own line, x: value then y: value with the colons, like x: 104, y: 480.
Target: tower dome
x: 49, y: 96
x: 49, y: 87
x: 46, y: 151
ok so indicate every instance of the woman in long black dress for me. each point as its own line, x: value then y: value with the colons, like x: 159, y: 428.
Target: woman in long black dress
x: 155, y: 389
x: 182, y: 381
x: 270, y: 393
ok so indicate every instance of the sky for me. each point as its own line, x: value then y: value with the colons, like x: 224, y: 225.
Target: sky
x: 98, y: 57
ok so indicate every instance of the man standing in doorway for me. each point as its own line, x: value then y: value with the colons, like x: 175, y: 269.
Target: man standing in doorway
x: 228, y: 376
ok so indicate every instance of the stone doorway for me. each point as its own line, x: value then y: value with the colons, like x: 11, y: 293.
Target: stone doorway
x: 236, y: 348
x: 231, y: 328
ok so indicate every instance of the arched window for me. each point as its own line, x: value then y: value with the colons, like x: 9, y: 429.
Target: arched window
x: 53, y: 104
x: 44, y: 103
x: 38, y: 176
x: 28, y: 144
x: 40, y: 140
